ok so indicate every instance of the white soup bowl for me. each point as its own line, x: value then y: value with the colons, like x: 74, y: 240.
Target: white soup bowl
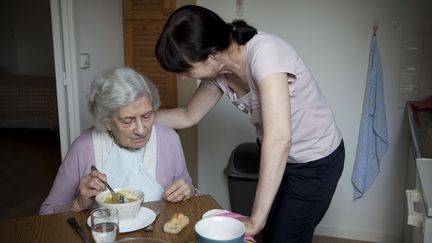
x: 126, y: 211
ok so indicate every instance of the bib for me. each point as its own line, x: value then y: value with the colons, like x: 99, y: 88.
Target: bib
x: 135, y: 169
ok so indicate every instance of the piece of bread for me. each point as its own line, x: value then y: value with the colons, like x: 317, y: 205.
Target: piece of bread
x: 176, y: 223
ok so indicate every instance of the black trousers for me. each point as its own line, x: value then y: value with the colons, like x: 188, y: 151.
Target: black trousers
x: 303, y: 198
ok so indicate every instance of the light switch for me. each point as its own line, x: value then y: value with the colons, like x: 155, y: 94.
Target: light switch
x: 85, y: 60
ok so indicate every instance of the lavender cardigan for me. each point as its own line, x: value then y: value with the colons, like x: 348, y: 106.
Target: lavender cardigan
x: 170, y: 166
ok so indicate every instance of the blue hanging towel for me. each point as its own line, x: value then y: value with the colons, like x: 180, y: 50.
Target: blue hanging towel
x: 373, y: 140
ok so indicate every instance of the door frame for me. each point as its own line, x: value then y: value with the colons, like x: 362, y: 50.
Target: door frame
x: 65, y: 39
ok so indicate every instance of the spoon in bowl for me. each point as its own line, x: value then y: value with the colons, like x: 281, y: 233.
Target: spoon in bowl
x: 115, y: 195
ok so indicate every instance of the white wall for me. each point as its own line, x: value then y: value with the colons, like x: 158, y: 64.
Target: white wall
x: 333, y: 38
x: 100, y: 27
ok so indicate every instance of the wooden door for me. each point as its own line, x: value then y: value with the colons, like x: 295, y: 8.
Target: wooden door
x: 143, y: 21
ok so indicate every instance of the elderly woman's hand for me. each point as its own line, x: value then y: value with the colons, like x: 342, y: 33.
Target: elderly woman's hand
x: 89, y: 187
x: 178, y: 191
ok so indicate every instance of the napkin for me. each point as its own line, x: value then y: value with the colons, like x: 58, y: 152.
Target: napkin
x: 229, y: 214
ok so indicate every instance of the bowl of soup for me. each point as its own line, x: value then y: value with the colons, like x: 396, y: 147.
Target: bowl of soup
x: 127, y: 210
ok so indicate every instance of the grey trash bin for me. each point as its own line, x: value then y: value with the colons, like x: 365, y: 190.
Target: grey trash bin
x: 242, y: 172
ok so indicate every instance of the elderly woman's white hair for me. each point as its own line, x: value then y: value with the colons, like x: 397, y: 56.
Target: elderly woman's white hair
x: 117, y: 88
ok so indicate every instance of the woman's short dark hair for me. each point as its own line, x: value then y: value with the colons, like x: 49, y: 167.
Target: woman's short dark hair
x: 192, y: 33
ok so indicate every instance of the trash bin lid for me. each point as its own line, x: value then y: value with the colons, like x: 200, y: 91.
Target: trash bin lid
x: 244, y: 161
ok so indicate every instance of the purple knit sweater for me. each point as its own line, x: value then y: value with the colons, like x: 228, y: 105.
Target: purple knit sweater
x: 170, y: 166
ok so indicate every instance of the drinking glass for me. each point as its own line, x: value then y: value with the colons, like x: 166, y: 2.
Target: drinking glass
x: 104, y: 224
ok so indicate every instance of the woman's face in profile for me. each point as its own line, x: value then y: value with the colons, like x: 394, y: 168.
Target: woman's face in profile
x: 207, y: 69
x: 131, y: 125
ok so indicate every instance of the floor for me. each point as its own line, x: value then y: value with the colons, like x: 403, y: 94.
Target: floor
x: 29, y: 159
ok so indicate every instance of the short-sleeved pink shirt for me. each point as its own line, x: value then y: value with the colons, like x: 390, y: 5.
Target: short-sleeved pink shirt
x: 314, y: 131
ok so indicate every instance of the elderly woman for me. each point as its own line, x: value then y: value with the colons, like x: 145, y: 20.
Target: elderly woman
x: 125, y: 145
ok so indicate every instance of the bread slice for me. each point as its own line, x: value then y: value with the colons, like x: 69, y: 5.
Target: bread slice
x: 176, y: 223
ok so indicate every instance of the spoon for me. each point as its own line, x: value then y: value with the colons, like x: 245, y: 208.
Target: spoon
x: 116, y: 196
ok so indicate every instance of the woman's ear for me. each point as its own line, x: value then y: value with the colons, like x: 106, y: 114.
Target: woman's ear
x: 107, y: 126
x: 109, y: 130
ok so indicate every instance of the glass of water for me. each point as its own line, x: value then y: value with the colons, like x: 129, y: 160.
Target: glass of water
x: 104, y: 224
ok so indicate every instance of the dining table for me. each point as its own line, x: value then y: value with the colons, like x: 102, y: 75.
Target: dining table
x: 55, y: 228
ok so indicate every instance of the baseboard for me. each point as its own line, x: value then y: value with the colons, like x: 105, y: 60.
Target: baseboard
x: 358, y: 234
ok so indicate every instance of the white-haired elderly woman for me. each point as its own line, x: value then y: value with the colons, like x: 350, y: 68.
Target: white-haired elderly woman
x: 125, y: 145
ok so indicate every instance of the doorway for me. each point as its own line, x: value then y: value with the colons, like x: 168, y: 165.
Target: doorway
x: 29, y: 134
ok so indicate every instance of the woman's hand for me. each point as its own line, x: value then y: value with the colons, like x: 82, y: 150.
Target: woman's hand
x: 178, y: 191
x: 89, y: 187
x: 252, y: 228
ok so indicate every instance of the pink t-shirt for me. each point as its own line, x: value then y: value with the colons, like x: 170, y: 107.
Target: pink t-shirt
x: 314, y: 131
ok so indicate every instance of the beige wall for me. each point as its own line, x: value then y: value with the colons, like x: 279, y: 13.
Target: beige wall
x: 104, y: 45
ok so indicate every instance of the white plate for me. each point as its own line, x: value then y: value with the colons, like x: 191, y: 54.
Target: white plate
x: 213, y: 212
x: 144, y: 218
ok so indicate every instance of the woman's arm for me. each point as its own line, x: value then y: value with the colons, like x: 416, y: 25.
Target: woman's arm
x: 276, y: 113
x: 65, y: 187
x: 202, y: 101
x: 74, y: 184
x: 172, y: 172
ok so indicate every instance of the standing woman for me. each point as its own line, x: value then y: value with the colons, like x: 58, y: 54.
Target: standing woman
x: 302, y: 151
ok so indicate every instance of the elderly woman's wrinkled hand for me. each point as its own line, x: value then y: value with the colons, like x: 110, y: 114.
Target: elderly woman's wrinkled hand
x: 178, y: 191
x: 89, y: 187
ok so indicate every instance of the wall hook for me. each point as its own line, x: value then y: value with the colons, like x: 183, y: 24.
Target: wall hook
x: 375, y: 26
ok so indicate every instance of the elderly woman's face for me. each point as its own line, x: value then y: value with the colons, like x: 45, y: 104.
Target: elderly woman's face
x: 132, y: 124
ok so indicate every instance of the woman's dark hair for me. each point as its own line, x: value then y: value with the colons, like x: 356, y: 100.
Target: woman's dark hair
x: 192, y: 33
